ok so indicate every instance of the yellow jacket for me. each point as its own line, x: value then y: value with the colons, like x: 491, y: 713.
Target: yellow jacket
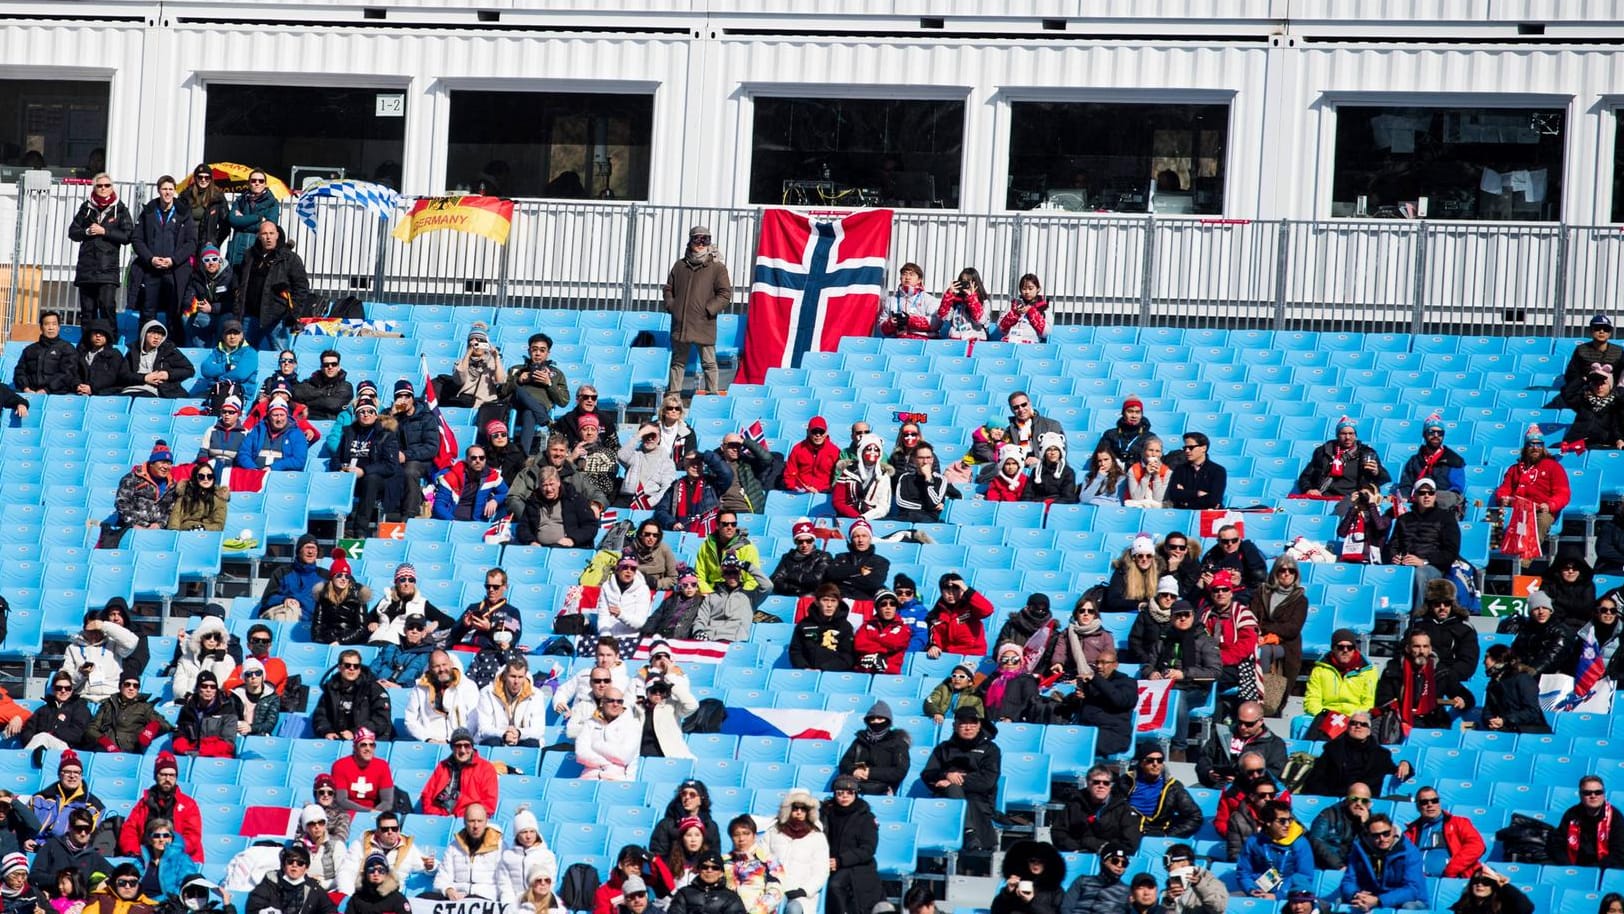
x: 1344, y: 694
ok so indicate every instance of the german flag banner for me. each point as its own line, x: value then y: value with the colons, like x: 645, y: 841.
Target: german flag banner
x: 487, y: 217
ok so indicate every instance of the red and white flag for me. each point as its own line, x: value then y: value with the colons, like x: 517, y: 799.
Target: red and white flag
x: 1211, y: 521
x: 684, y: 651
x: 755, y: 432
x: 1153, y: 695
x: 447, y: 455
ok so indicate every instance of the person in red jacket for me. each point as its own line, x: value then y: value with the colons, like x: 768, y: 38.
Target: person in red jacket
x: 1450, y: 845
x: 883, y: 639
x: 476, y: 781
x: 1009, y: 483
x: 957, y: 622
x: 163, y: 800
x: 1537, y: 477
x: 810, y: 466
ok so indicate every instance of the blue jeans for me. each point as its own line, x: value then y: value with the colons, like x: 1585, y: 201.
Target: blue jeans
x: 530, y: 414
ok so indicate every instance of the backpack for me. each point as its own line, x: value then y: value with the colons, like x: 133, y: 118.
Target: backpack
x: 707, y: 718
x: 105, y: 840
x: 579, y: 887
x: 1295, y: 774
x: 1526, y: 839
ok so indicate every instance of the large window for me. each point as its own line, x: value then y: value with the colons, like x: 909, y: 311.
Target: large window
x: 303, y: 134
x: 1448, y: 163
x: 852, y: 151
x: 56, y: 124
x: 1618, y: 165
x: 1125, y: 158
x: 550, y: 144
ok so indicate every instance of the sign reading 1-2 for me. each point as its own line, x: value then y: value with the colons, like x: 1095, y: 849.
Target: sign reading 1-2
x: 391, y: 104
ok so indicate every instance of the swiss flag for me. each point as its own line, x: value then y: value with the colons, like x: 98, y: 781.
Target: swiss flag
x: 1211, y: 521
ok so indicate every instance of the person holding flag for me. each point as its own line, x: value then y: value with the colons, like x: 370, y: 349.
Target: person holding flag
x: 421, y: 431
x: 649, y: 469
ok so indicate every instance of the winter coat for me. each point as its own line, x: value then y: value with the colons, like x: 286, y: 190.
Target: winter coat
x: 1001, y: 489
x: 1188, y: 481
x: 885, y: 755
x: 694, y: 296
x: 57, y: 855
x: 1401, y: 880
x: 160, y: 234
x: 1285, y: 621
x: 634, y: 601
x: 322, y: 396
x: 384, y: 898
x: 854, y: 498
x: 553, y: 394
x: 1544, y: 483
x: 1513, y: 696
x: 183, y: 814
x: 448, y: 490
x: 349, y: 706
x: 101, y: 369
x: 434, y: 713
x: 861, y: 575
x: 168, y: 358
x: 478, y: 379
x: 1447, y: 470
x: 419, y: 433
x: 688, y: 499
x: 99, y: 255
x: 1454, y: 641
x: 342, y: 620
x: 1433, y: 534
x: 208, y: 210
x: 1462, y: 846
x: 277, y: 276
x: 854, y: 836
x: 1146, y: 488
x: 1221, y: 752
x: 708, y: 562
x: 961, y: 628
x: 819, y: 643
x: 512, y: 880
x: 805, y: 859
x: 50, y: 807
x: 881, y: 645
x: 246, y: 213
x: 219, y: 291
x: 1598, y: 421
x: 497, y: 710
x: 262, y: 713
x: 1173, y: 813
x: 273, y: 891
x: 810, y: 467
x: 724, y: 615
x: 980, y: 760
x: 1051, y: 484
x: 123, y: 723
x: 1342, y: 475
x: 1200, y: 671
x: 650, y: 473
x: 1016, y: 703
x: 48, y: 365
x: 1102, y: 893
x: 376, y: 450
x: 1084, y: 826
x: 1341, y: 692
x: 575, y: 514
x: 798, y: 575
x: 217, y: 720
x: 910, y: 315
x: 1588, y: 853
x: 184, y: 514
x: 1107, y: 703
x: 1292, y: 859
x: 698, y: 898
x: 1332, y: 835
x: 1126, y: 443
x: 1542, y: 647
x: 754, y: 464
x: 477, y: 784
x: 943, y: 701
x: 1390, y: 689
x: 105, y: 661
x: 920, y: 502
x: 1145, y: 638
x: 610, y: 747
x: 295, y: 581
x: 266, y: 449
x: 1345, y: 762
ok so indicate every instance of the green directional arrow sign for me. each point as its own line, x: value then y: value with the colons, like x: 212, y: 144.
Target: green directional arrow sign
x: 1496, y: 605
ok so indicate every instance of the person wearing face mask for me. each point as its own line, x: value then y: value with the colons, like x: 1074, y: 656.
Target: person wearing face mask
x: 864, y: 482
x: 910, y: 311
x: 878, y: 758
x: 696, y: 292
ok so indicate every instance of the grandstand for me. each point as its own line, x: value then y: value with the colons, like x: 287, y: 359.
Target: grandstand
x: 1265, y: 398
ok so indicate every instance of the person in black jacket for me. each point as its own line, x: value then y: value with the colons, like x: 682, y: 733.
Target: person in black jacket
x: 165, y: 240
x: 1511, y: 699
x: 1104, y: 892
x: 101, y: 226
x: 1158, y: 802
x: 210, y: 298
x: 824, y: 640
x: 49, y: 365
x: 1420, y: 688
x: 369, y: 448
x: 1571, y: 585
x: 70, y: 849
x: 289, y: 890
x: 351, y: 699
x: 708, y: 893
x: 1454, y: 639
x: 1011, y: 693
x: 327, y: 391
x: 854, y: 835
x: 1220, y: 755
x: 18, y: 824
x: 99, y: 363
x: 377, y: 891
x: 1427, y: 537
x: 1238, y: 555
x: 419, y: 433
x: 1542, y: 643
x: 1438, y: 462
x: 1354, y: 757
x: 1578, y: 839
x: 59, y: 723
x: 1040, y: 867
x: 967, y: 767
x: 556, y: 515
x: 860, y: 571
x: 1095, y: 818
x: 272, y: 285
x: 691, y: 799
x: 922, y: 492
x: 154, y: 366
x: 1342, y: 465
x: 801, y: 569
x: 1197, y: 482
x: 878, y: 756
x: 1106, y: 700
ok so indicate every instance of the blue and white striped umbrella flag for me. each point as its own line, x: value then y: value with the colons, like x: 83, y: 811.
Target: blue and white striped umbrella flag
x: 375, y: 197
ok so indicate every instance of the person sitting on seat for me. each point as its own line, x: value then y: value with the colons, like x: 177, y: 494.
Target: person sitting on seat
x: 469, y: 490
x: 1450, y: 845
x: 1160, y: 803
x: 1096, y: 819
x: 461, y: 781
x: 967, y: 767
x: 1438, y: 462
x: 801, y: 570
x: 1342, y: 681
x: 1587, y: 834
x: 1384, y: 869
x: 1338, y: 467
x: 1354, y: 757
x: 824, y: 640
x: 468, y: 866
x: 442, y: 702
x: 810, y: 466
x: 1419, y: 689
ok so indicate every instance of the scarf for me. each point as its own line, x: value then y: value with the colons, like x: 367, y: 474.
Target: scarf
x: 1604, y: 828
x: 1354, y: 662
x: 995, y: 689
x: 1075, y: 632
x: 697, y: 260
x: 1420, y: 697
x: 1430, y: 459
x: 690, y: 496
x: 1274, y: 596
x: 161, y: 804
x: 1159, y: 614
x: 103, y: 204
x: 795, y: 828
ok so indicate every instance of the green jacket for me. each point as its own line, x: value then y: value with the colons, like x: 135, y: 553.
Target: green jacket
x: 122, y: 722
x: 557, y: 393
x: 752, y: 461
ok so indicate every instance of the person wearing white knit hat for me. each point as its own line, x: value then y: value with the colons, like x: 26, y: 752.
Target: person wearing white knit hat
x: 527, y: 853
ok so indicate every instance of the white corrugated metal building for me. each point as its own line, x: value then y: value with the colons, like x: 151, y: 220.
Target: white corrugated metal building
x: 1279, y: 71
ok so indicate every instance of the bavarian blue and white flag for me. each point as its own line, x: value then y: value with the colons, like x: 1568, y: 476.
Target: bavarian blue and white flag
x: 375, y: 198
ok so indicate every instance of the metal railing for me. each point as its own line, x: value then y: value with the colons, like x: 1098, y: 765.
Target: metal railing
x: 1503, y: 279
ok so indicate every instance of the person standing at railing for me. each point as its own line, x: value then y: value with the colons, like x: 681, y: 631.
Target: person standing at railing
x: 165, y: 242
x: 101, y: 227
x: 252, y: 208
x: 697, y: 290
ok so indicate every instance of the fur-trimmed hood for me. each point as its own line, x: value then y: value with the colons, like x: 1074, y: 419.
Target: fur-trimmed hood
x: 804, y: 797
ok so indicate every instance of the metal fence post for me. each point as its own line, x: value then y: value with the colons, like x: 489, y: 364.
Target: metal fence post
x: 1417, y: 320
x: 1147, y: 278
x: 1015, y: 251
x: 378, y: 271
x: 1559, y: 295
x: 630, y: 266
x: 502, y: 277
x: 1282, y: 272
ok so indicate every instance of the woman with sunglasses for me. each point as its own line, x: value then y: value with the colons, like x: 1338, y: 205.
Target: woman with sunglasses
x: 253, y: 206
x: 199, y: 504
x: 910, y: 436
x: 378, y: 891
x: 165, y: 858
x: 798, y: 842
x: 101, y: 226
x: 207, y: 724
x: 210, y: 298
x: 1012, y: 692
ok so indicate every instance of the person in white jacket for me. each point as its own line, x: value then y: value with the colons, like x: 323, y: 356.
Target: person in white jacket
x: 528, y: 850
x: 659, y: 708
x: 610, y: 742
x: 511, y: 712
x: 404, y: 854
x: 649, y: 468
x: 796, y: 840
x: 469, y: 863
x: 203, y: 649
x: 95, y: 657
x: 329, y: 856
x: 442, y: 701
x: 584, y: 690
x: 624, y: 601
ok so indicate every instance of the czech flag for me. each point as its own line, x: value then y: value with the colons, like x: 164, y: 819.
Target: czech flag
x: 787, y: 722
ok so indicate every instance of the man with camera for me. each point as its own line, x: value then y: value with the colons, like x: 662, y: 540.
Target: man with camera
x: 535, y: 386
x: 1338, y: 467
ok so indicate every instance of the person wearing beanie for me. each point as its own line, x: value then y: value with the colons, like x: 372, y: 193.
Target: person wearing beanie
x: 528, y: 853
x: 1342, y: 681
x: 461, y: 782
x: 912, y: 611
x: 327, y: 391
x: 208, y: 720
x: 882, y: 640
x: 419, y: 438
x: 957, y: 690
x: 660, y: 703
x: 154, y: 366
x: 1133, y: 582
x: 339, y: 615
x: 95, y: 656
x: 727, y: 612
x: 697, y: 290
x: 1542, y: 642
x: 16, y: 893
x: 204, y: 648
x: 325, y: 794
x: 824, y: 639
x: 860, y: 571
x: 1337, y: 468
x: 967, y: 766
x: 470, y: 489
x: 1537, y: 478
x: 223, y: 440
x: 289, y: 889
x: 276, y: 443
x: 52, y: 805
x: 204, y: 199
x: 290, y: 591
x: 256, y: 696
x: 702, y: 478
x: 854, y: 837
x: 128, y: 721
x: 369, y: 449
x: 376, y: 890
x: 1598, y: 350
x: 164, y: 800
x: 1426, y: 538
x: 363, y: 781
x: 146, y: 493
x: 1126, y: 439
x: 679, y: 611
x: 877, y: 760
x: 1011, y: 691
x: 537, y: 386
x: 801, y: 569
x: 1438, y: 462
x: 1189, y: 656
x: 212, y: 323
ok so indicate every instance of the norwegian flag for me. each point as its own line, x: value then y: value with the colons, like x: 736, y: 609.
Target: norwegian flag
x: 815, y: 281
x: 704, y: 525
x: 755, y: 432
x: 640, y: 501
x: 447, y: 454
x: 608, y: 518
x: 500, y: 530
